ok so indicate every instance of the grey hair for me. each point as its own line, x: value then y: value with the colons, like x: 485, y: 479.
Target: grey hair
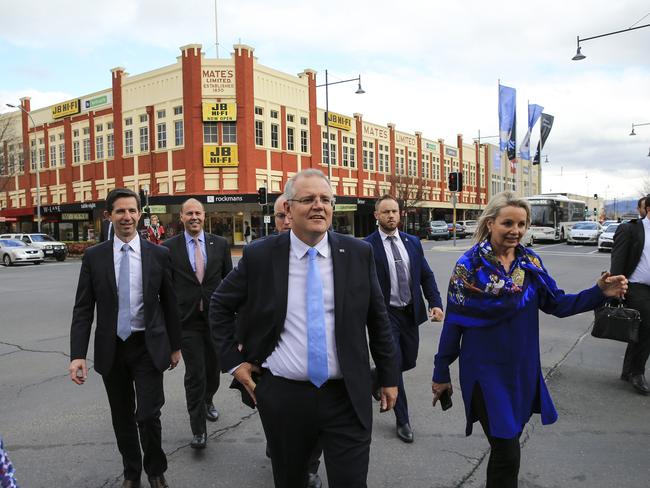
x: 494, y: 206
x: 289, y: 188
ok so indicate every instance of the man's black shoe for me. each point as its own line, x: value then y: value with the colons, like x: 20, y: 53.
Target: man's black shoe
x: 625, y: 376
x: 639, y: 383
x: 405, y: 433
x: 199, y: 441
x: 314, y: 481
x: 211, y: 413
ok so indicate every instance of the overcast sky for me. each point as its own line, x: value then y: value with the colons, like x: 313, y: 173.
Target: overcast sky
x: 426, y: 65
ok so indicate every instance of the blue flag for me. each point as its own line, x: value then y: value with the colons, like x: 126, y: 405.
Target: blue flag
x: 507, y: 107
x: 534, y: 113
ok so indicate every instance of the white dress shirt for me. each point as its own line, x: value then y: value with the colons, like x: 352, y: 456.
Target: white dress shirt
x: 642, y: 271
x: 135, y: 278
x: 289, y: 359
x: 392, y: 270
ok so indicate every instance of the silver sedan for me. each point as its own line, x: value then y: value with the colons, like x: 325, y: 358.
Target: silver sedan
x: 13, y: 251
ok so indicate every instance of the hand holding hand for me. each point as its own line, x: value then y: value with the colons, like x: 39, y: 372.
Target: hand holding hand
x: 438, y: 388
x: 78, y: 371
x: 243, y: 374
x: 613, y: 286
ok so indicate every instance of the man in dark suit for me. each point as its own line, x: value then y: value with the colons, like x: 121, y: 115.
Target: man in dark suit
x: 106, y: 230
x: 137, y: 335
x: 631, y: 257
x: 307, y: 298
x: 402, y: 270
x: 199, y: 262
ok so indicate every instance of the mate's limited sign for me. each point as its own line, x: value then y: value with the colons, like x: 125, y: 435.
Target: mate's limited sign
x: 65, y: 109
x: 220, y: 156
x: 219, y: 112
x: 218, y: 82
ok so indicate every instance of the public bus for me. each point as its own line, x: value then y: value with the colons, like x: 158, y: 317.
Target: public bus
x: 552, y: 216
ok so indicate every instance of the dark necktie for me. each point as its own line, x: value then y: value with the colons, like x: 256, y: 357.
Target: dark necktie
x: 403, y: 289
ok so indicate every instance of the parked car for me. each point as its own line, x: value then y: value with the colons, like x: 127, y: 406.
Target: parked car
x: 585, y: 232
x: 470, y: 226
x: 51, y: 248
x: 528, y: 240
x: 460, y: 230
x: 13, y: 251
x: 607, y: 223
x: 606, y: 239
x: 437, y: 230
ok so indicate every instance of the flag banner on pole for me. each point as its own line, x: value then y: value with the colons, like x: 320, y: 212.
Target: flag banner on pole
x: 545, y: 130
x: 512, y: 145
x: 496, y: 159
x: 534, y: 113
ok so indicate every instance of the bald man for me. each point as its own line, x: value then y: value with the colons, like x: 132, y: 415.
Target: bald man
x: 199, y: 262
x: 282, y: 218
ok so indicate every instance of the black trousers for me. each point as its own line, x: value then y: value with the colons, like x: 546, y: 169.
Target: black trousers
x: 505, y: 454
x: 135, y: 394
x: 407, y: 339
x: 201, y: 374
x: 296, y: 416
x: 636, y: 355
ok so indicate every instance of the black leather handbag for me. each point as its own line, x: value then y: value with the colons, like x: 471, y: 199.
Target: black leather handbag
x: 617, y: 322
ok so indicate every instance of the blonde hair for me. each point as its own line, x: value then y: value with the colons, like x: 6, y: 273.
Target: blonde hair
x: 494, y: 206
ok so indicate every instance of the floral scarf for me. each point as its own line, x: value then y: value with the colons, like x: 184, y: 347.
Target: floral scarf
x: 481, y: 292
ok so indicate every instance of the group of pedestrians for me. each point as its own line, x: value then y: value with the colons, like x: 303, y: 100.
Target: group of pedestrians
x: 294, y: 323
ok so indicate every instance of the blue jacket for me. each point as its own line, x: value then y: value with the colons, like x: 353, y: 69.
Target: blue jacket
x: 421, y: 274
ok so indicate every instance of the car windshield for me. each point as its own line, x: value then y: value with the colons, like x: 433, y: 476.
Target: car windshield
x: 12, y: 243
x: 611, y: 228
x: 470, y: 222
x: 586, y: 226
x: 41, y: 238
x: 438, y: 223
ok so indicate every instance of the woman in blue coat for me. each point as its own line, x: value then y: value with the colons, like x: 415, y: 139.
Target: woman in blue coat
x: 492, y: 326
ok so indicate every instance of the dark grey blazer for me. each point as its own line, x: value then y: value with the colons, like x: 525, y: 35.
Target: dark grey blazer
x: 629, y: 240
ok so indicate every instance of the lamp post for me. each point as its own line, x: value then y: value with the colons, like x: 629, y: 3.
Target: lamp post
x: 36, y: 165
x: 579, y: 56
x: 327, y: 84
x: 637, y: 125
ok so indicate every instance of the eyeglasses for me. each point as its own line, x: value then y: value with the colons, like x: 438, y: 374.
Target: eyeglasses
x: 327, y: 201
x: 281, y: 216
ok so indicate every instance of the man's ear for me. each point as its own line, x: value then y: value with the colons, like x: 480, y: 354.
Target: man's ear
x: 107, y: 215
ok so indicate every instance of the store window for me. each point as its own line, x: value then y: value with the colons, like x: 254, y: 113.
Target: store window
x: 230, y: 133
x: 210, y: 133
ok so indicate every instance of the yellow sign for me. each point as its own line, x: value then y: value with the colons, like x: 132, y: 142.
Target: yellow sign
x: 339, y: 121
x: 219, y: 112
x: 220, y: 156
x: 65, y: 109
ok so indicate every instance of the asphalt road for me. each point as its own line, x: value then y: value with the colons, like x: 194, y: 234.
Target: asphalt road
x: 59, y: 434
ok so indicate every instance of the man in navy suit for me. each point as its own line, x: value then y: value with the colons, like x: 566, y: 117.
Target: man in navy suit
x: 402, y: 270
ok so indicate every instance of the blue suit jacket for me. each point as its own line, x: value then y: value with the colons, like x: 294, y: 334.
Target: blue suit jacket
x: 421, y: 274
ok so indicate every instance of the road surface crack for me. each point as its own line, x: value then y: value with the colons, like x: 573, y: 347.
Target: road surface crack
x: 25, y: 349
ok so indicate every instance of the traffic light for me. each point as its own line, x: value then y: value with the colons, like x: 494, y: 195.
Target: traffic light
x: 262, y: 197
x: 455, y: 181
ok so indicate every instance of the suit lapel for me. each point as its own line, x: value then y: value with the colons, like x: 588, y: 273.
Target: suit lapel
x: 145, y: 253
x: 410, y: 251
x: 340, y: 268
x: 211, y: 253
x: 380, y: 251
x: 109, y: 261
x: 182, y: 251
x: 280, y: 263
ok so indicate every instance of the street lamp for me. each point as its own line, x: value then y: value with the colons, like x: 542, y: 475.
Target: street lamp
x: 637, y: 125
x: 359, y: 91
x: 579, y: 56
x: 36, y: 165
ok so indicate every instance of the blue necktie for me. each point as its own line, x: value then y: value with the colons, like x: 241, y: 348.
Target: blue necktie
x: 124, y: 296
x: 316, y: 339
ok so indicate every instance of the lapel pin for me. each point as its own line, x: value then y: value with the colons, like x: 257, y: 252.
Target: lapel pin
x: 341, y: 250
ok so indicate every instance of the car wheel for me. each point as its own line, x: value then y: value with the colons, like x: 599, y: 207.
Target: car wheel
x: 6, y: 260
x: 38, y: 262
x: 532, y: 241
x: 61, y: 257
x: 601, y: 250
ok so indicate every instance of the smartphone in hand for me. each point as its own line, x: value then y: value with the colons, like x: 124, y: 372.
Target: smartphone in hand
x: 445, y: 400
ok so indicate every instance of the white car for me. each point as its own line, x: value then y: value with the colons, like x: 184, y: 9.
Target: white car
x: 470, y: 226
x: 584, y: 233
x: 13, y: 251
x: 528, y: 240
x: 51, y: 247
x: 606, y: 239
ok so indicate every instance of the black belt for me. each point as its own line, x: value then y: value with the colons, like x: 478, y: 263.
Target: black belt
x: 405, y: 308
